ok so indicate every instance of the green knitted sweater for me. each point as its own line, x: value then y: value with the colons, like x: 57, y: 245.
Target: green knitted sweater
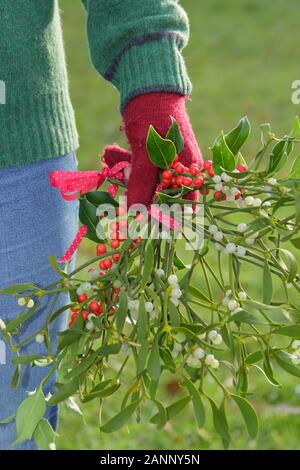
x: 135, y: 44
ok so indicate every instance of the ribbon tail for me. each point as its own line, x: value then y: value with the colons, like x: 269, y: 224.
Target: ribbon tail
x: 75, y: 244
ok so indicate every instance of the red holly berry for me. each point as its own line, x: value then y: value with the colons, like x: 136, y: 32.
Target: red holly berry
x: 123, y: 223
x: 179, y: 180
x: 114, y: 226
x: 101, y: 249
x: 74, y: 310
x: 112, y: 310
x: 121, y: 210
x: 219, y: 196
x: 179, y: 168
x: 194, y: 169
x: 187, y: 181
x: 116, y: 257
x: 166, y: 183
x: 114, y: 235
x: 81, y: 298
x: 176, y: 159
x: 207, y: 165
x: 237, y: 196
x: 138, y: 240
x: 94, y: 306
x: 167, y: 175
x: 204, y: 191
x: 108, y: 263
x: 198, y: 182
x: 85, y: 314
x: 115, y: 244
x: 210, y: 172
x: 241, y: 168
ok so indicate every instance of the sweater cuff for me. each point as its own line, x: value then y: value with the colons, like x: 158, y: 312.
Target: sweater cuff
x: 152, y: 63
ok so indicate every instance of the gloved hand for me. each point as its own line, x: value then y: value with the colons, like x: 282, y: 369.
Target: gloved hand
x: 139, y: 114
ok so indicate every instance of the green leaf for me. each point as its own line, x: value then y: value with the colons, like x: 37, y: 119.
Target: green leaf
x: 100, y: 197
x: 276, y: 155
x: 174, y: 134
x: 7, y: 420
x: 248, y: 413
x: 122, y: 311
x: 162, y: 416
x: 220, y: 422
x: 142, y: 321
x: 162, y: 152
x: 18, y: 289
x: 238, y: 136
x: 267, y: 284
x: 55, y: 266
x: 223, y: 158
x: 27, y: 359
x: 178, y: 262
x: 16, y: 377
x: 291, y: 264
x: 64, y: 392
x: 197, y: 402
x: 295, y: 132
x: 285, y: 362
x: 295, y: 171
x: 153, y: 366
x: 148, y: 263
x: 174, y: 315
x: 296, y: 242
x: 44, y: 435
x: 254, y: 357
x: 106, y: 350
x: 29, y: 413
x: 142, y: 357
x: 88, y: 217
x: 174, y: 409
x: 121, y: 418
x: 292, y: 331
x: 103, y: 392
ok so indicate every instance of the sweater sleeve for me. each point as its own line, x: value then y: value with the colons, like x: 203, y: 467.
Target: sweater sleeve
x: 137, y: 44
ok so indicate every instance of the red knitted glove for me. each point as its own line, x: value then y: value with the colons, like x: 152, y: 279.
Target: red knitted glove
x: 139, y: 114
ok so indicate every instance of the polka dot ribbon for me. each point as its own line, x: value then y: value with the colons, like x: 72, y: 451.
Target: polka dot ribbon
x: 72, y: 182
x: 73, y: 247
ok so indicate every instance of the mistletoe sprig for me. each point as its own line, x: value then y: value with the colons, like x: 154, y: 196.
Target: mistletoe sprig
x: 143, y: 309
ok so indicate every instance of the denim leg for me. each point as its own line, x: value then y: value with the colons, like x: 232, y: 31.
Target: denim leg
x: 35, y: 222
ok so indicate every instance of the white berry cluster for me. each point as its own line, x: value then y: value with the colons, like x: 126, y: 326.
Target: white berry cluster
x: 28, y: 302
x: 232, y: 304
x: 296, y: 351
x: 133, y: 306
x: 194, y: 360
x: 230, y: 247
x: 84, y: 288
x: 175, y: 292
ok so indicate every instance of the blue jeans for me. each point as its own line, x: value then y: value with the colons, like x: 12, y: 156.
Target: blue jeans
x: 35, y: 222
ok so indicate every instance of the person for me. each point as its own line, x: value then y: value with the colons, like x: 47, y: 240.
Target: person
x: 137, y: 46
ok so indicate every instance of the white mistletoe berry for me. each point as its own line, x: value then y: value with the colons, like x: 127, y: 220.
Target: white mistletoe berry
x: 215, y: 364
x: 192, y: 361
x: 226, y: 178
x: 21, y: 301
x: 219, y: 187
x: 2, y: 325
x: 209, y: 359
x: 212, y: 229
x: 267, y: 204
x: 160, y: 272
x: 250, y: 240
x: 173, y: 280
x: 296, y: 344
x: 217, y: 340
x: 241, y: 250
x: 212, y: 335
x: 230, y: 248
x: 52, y: 446
x: 272, y: 181
x: 188, y: 210
x: 30, y: 303
x: 199, y: 353
x: 257, y: 202
x: 176, y: 293
x: 232, y: 304
x: 126, y: 349
x: 242, y: 227
x: 174, y: 301
x: 249, y: 200
x: 218, y: 236
x: 89, y: 325
x: 40, y: 338
x: 217, y: 179
x: 242, y: 295
x: 149, y: 307
x: 230, y: 197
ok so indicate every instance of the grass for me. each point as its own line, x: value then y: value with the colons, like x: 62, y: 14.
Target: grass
x: 242, y: 58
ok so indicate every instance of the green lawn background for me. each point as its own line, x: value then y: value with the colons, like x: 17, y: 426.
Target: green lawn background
x: 242, y: 58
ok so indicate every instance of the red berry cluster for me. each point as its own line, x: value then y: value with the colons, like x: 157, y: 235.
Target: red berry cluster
x: 94, y: 306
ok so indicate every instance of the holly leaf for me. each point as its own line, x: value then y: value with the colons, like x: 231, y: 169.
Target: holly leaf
x: 161, y: 152
x: 223, y: 158
x: 174, y: 134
